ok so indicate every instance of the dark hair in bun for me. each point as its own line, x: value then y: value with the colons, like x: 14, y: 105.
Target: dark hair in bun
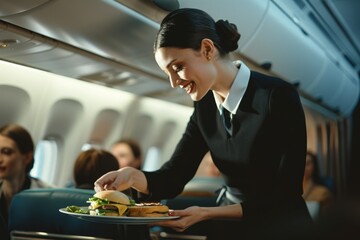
x: 187, y: 27
x: 229, y: 36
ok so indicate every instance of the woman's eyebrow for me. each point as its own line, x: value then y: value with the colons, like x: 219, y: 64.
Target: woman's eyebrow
x: 171, y: 62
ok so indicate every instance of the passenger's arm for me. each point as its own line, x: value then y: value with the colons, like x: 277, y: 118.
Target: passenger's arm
x: 122, y: 179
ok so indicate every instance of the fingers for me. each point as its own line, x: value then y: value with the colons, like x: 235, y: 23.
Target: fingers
x: 180, y: 213
x: 105, y: 182
x: 98, y: 186
x: 179, y: 224
x: 114, y: 180
x: 176, y: 224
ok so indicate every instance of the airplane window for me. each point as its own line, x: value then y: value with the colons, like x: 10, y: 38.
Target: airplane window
x: 46, y: 154
x: 15, y: 102
x: 88, y: 146
x: 63, y: 116
x: 141, y: 127
x: 151, y: 161
x: 165, y: 134
x: 104, y: 125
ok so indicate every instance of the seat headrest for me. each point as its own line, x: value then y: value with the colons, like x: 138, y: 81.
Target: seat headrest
x: 38, y: 210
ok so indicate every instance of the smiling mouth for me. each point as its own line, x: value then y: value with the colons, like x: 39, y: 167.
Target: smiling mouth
x: 188, y: 87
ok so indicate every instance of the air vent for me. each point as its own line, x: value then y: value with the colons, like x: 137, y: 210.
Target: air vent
x: 300, y: 4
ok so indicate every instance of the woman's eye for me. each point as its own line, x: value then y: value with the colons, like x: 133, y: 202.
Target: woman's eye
x: 6, y: 151
x: 177, y: 68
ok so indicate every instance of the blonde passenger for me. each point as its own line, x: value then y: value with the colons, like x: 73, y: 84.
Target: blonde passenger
x: 16, y: 162
x: 92, y: 164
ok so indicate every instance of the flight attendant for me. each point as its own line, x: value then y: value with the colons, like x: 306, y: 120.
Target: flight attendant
x: 252, y: 124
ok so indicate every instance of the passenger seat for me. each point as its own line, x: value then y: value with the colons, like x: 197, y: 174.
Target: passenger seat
x: 37, y: 210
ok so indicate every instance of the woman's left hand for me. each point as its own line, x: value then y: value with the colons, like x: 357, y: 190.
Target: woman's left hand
x: 188, y: 217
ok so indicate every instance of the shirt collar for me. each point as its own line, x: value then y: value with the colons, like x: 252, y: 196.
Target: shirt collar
x: 237, y: 90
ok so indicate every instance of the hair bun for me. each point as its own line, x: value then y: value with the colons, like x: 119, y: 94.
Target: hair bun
x: 229, y: 35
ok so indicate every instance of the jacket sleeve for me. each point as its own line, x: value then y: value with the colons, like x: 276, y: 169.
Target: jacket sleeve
x: 170, y: 179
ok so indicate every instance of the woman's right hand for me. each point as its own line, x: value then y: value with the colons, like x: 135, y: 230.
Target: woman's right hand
x: 122, y: 179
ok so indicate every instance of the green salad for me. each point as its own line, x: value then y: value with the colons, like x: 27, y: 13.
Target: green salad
x: 76, y: 209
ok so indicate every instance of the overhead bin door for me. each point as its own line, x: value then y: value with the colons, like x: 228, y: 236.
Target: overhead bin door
x: 346, y: 96
x: 247, y: 15
x: 292, y: 54
x: 326, y: 85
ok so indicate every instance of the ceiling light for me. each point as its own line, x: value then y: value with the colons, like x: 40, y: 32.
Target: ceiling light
x: 8, y: 42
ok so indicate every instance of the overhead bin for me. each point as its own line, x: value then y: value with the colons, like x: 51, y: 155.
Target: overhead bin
x: 337, y: 86
x: 299, y: 59
x: 268, y: 35
x: 291, y: 53
x: 346, y: 97
x: 19, y: 44
x: 247, y: 15
x: 15, y: 7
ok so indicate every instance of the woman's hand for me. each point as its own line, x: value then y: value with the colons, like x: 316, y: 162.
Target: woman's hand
x: 194, y: 214
x: 122, y: 179
x: 188, y: 217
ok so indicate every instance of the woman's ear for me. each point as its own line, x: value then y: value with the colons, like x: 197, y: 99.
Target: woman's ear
x: 28, y: 158
x: 207, y: 48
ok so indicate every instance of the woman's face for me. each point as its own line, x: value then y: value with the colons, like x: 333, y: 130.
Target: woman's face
x: 188, y: 69
x: 12, y: 161
x: 309, y: 167
x: 125, y: 156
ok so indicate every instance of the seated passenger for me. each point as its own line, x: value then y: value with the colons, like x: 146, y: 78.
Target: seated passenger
x: 16, y: 161
x: 207, y: 180
x: 317, y: 196
x: 128, y: 153
x: 92, y: 164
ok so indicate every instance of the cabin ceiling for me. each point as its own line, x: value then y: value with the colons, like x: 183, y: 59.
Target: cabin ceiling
x: 111, y: 42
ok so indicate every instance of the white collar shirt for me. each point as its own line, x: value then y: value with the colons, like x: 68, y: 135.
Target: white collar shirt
x: 236, y: 92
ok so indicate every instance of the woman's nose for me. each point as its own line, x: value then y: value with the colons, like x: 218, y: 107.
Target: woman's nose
x: 174, y: 81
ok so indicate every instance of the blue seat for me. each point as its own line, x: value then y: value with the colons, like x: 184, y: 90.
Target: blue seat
x: 37, y: 210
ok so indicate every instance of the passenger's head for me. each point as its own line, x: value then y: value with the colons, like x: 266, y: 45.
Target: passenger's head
x: 312, y: 170
x: 16, y: 151
x: 192, y: 49
x: 91, y: 165
x: 127, y: 152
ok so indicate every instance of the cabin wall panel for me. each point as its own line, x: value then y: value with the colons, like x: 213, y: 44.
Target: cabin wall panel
x: 45, y: 90
x: 161, y: 114
x: 48, y: 90
x: 94, y: 99
x: 33, y: 84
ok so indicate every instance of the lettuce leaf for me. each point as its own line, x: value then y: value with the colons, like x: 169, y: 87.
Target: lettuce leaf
x: 76, y: 209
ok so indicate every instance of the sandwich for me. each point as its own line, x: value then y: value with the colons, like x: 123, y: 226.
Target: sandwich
x: 115, y: 203
x: 109, y: 203
x: 148, y: 210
